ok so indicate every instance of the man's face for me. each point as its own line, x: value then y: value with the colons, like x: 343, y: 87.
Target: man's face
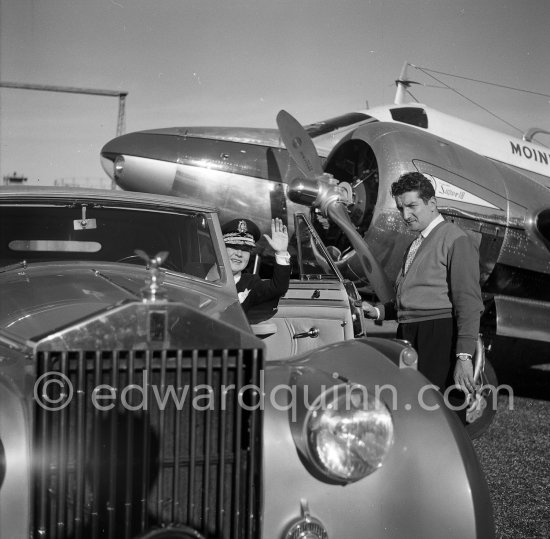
x: 416, y: 213
x: 238, y: 259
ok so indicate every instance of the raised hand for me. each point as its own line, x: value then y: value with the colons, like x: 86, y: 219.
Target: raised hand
x: 279, y: 236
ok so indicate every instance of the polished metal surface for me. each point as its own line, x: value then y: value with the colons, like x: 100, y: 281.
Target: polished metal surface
x: 248, y: 171
x: 523, y: 318
x: 117, y: 472
x: 135, y: 462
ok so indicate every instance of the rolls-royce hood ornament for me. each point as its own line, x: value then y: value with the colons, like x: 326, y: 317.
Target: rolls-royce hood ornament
x: 153, y: 290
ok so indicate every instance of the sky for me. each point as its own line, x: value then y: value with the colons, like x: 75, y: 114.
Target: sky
x: 238, y: 62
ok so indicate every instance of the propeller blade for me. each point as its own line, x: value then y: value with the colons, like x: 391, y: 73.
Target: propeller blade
x: 299, y: 145
x: 373, y: 269
x: 303, y: 151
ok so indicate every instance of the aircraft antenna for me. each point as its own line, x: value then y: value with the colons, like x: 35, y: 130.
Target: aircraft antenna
x: 426, y: 72
x: 425, y: 69
x: 403, y: 83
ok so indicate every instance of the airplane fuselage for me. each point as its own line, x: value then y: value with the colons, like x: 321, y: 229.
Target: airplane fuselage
x: 247, y: 172
x: 528, y: 157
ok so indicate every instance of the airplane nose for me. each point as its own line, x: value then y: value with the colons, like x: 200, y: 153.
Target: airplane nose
x: 108, y: 166
x: 136, y: 163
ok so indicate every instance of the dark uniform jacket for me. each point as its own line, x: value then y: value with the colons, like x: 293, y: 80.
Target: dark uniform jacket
x: 264, y: 290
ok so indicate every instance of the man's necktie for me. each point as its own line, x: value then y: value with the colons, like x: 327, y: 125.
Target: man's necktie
x: 412, y: 252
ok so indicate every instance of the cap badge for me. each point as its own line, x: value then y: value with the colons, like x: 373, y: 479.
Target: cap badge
x: 242, y: 228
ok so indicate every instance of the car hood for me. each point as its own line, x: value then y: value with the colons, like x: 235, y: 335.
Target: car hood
x: 40, y: 298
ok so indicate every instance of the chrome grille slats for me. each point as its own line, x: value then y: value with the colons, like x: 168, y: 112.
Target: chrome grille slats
x: 192, y: 457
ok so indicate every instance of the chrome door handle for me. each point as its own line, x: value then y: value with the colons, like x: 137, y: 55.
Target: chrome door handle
x: 313, y: 333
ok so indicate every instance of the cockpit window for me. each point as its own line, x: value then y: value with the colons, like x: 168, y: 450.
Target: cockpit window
x: 410, y: 115
x: 40, y: 233
x: 332, y: 124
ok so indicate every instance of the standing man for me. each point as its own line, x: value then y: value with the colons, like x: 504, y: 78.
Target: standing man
x: 438, y: 296
x: 240, y: 237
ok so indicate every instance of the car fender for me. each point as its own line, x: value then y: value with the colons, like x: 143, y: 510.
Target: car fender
x: 431, y: 463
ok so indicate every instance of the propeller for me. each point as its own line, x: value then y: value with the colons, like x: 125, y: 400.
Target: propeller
x: 322, y: 190
x: 299, y: 144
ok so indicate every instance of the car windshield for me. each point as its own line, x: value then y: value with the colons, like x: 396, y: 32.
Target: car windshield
x: 313, y: 258
x: 40, y: 233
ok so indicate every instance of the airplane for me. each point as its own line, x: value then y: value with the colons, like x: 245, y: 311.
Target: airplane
x: 494, y: 186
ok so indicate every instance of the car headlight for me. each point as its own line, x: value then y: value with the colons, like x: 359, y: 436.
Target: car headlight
x: 349, y: 432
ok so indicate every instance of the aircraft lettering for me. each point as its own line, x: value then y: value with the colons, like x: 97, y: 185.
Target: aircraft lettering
x: 529, y: 153
x: 448, y: 192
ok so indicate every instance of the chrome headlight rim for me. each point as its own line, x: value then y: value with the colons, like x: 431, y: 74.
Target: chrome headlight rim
x: 363, y: 413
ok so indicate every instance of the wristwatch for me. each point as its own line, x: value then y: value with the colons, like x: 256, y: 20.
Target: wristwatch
x: 464, y: 357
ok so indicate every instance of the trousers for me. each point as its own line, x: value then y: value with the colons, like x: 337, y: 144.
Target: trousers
x: 434, y: 341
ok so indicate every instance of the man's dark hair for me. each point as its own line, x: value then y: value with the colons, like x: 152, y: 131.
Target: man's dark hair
x: 413, y: 181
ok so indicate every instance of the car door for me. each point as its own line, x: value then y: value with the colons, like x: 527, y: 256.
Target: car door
x: 319, y: 308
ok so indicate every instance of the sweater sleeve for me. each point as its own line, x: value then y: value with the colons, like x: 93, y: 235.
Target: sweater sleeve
x: 465, y: 292
x: 388, y: 310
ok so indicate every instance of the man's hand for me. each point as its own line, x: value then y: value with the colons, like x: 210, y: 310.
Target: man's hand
x: 464, y: 376
x: 279, y: 236
x: 370, y: 310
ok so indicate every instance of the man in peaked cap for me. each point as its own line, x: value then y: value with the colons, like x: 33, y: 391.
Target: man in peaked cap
x: 240, y: 237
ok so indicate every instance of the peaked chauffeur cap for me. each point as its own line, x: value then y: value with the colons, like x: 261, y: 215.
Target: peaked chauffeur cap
x: 241, y: 234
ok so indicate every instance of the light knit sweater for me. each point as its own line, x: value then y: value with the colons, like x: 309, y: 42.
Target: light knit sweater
x: 442, y: 282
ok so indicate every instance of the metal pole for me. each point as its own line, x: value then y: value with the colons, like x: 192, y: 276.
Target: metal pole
x: 121, y: 123
x: 66, y: 89
x: 121, y: 118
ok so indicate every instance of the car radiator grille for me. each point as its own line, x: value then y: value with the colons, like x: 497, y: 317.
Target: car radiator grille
x: 169, y: 440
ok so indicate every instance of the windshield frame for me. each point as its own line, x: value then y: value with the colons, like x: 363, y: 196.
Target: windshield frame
x: 312, y: 252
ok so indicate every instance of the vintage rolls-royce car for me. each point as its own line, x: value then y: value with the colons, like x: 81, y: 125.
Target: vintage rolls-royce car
x: 137, y: 400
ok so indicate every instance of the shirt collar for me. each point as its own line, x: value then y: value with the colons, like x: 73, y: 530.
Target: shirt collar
x: 431, y: 226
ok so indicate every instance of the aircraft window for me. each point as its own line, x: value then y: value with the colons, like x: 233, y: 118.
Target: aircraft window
x: 410, y: 115
x: 332, y: 124
x: 40, y: 233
